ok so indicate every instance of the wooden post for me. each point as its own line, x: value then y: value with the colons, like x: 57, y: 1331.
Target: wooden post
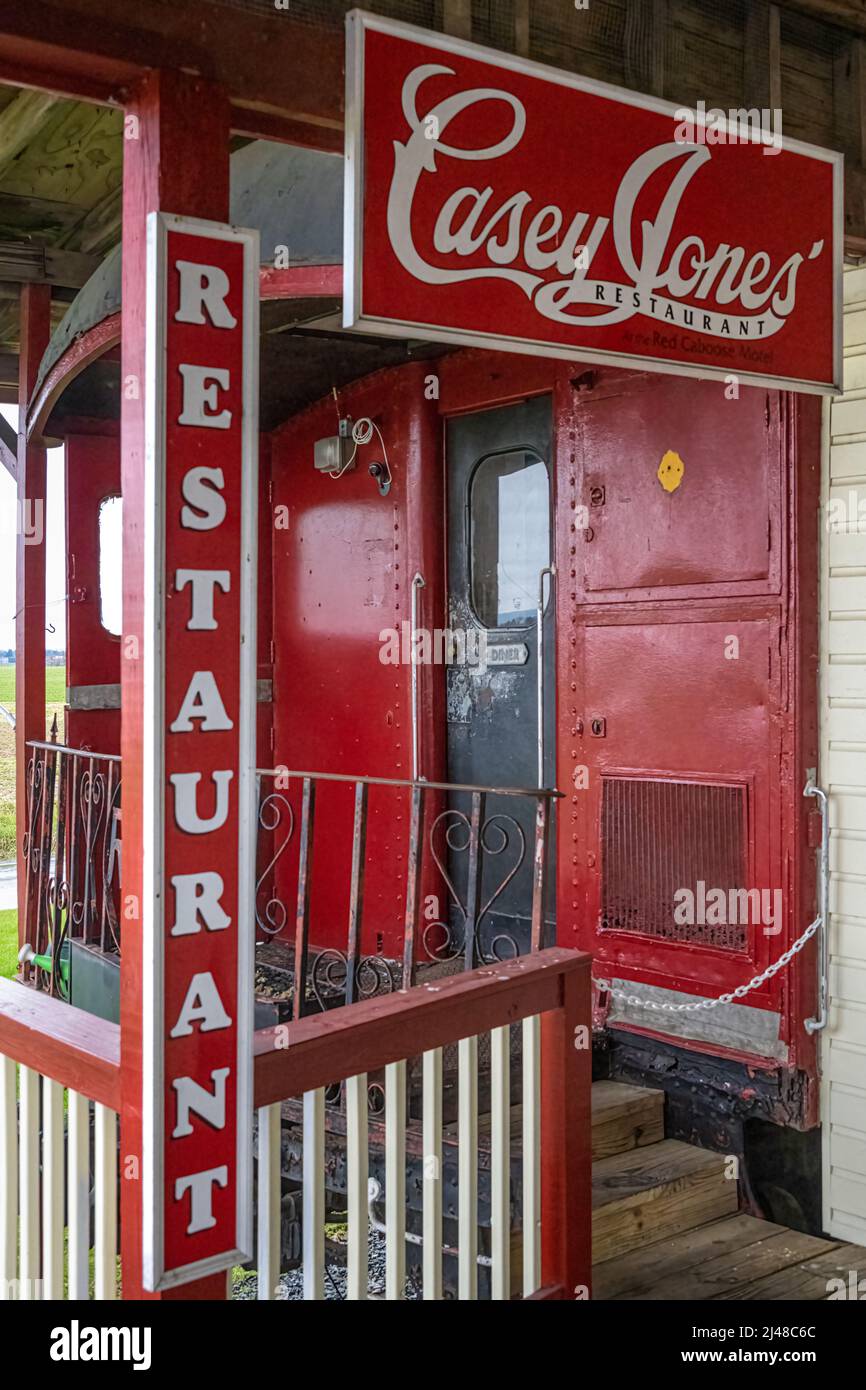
x: 644, y: 45
x: 566, y: 1140
x: 849, y: 125
x: 457, y: 18
x: 762, y: 64
x: 30, y: 569
x: 176, y: 158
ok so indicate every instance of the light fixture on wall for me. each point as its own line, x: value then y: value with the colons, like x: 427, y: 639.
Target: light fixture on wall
x: 337, y: 453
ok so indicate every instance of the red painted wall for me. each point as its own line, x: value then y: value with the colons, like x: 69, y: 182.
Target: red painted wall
x: 343, y: 562
x: 648, y: 594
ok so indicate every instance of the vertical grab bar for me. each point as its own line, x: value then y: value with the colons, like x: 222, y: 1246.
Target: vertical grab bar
x: 539, y: 622
x: 816, y: 1025
x: 418, y: 582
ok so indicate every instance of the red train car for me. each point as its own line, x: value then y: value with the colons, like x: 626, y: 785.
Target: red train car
x: 573, y: 608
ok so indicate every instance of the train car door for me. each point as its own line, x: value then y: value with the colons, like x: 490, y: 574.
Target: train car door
x: 499, y: 509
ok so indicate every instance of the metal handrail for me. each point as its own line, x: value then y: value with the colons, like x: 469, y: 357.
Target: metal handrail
x: 817, y: 1025
x: 73, y: 752
x: 550, y: 792
x: 418, y: 582
x: 549, y: 570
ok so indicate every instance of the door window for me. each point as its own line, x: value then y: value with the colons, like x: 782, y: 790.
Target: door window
x: 509, y: 537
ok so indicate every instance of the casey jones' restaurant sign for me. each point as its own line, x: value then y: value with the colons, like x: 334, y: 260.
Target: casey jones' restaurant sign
x: 496, y: 202
x: 199, y: 746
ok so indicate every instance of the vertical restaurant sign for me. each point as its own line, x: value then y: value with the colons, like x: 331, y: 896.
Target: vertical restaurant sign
x: 201, y: 400
x: 491, y: 201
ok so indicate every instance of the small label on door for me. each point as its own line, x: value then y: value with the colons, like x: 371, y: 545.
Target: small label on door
x: 507, y: 654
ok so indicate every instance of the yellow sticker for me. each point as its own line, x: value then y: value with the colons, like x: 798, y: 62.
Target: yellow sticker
x: 671, y: 470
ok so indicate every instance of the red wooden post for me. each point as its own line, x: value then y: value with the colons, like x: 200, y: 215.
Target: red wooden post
x: 176, y: 158
x: 30, y: 569
x: 566, y: 1140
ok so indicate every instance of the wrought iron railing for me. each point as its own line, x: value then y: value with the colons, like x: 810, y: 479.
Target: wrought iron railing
x: 464, y: 882
x: 454, y: 877
x: 72, y: 851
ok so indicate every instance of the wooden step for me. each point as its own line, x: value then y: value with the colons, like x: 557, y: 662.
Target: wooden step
x: 715, y: 1261
x: 655, y: 1192
x: 625, y: 1117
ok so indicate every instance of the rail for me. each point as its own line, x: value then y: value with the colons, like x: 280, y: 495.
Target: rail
x: 57, y: 1157
x: 464, y: 880
x: 71, y: 849
x: 538, y: 1231
x: 466, y: 883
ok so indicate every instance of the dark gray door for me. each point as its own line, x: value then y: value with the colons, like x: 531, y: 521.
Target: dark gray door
x: 499, y: 513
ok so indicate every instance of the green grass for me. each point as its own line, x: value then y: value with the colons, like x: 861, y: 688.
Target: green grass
x: 55, y: 695
x: 8, y: 943
x: 55, y: 686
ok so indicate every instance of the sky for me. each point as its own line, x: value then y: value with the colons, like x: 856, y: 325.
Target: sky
x: 55, y: 578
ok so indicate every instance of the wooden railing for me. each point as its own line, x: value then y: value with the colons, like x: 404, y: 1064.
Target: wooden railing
x: 55, y: 1061
x: 47, y: 1046
x: 548, y: 994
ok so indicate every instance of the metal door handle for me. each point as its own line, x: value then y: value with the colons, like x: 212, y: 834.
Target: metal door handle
x: 539, y: 656
x: 418, y: 582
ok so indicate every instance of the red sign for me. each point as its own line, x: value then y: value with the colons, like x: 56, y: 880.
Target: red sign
x: 495, y: 202
x: 199, y: 752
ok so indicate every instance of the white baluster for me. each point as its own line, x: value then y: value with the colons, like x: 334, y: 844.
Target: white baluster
x: 52, y: 1189
x: 105, y: 1183
x: 8, y: 1177
x: 28, y: 1181
x: 531, y: 1087
x: 314, y: 1194
x: 268, y: 1197
x: 78, y: 1195
x: 467, y: 1167
x: 500, y: 1158
x: 357, y: 1173
x: 395, y: 1180
x: 432, y: 1174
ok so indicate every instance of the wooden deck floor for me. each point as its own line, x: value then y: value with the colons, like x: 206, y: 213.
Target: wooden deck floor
x: 736, y: 1258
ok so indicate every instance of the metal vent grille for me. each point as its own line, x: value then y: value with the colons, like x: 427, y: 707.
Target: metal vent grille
x: 658, y: 837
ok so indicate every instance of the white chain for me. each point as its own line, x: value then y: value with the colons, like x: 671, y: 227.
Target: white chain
x: 739, y: 993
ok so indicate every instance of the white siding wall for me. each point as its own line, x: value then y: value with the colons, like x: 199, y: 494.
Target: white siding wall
x: 843, y: 774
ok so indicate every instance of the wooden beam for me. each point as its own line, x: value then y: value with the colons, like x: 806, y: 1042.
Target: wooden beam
x: 644, y: 45
x: 179, y: 162
x: 762, y: 69
x: 98, y: 50
x: 566, y: 1156
x: 849, y: 125
x: 457, y: 18
x: 99, y: 230
x: 850, y: 14
x: 69, y: 1046
x: 35, y: 331
x: 24, y: 262
x: 521, y: 27
x: 20, y: 121
x: 29, y: 571
x: 301, y: 1056
x: 8, y: 447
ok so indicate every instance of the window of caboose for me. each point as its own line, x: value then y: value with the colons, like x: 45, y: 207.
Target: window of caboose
x: 110, y: 548
x: 509, y: 537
